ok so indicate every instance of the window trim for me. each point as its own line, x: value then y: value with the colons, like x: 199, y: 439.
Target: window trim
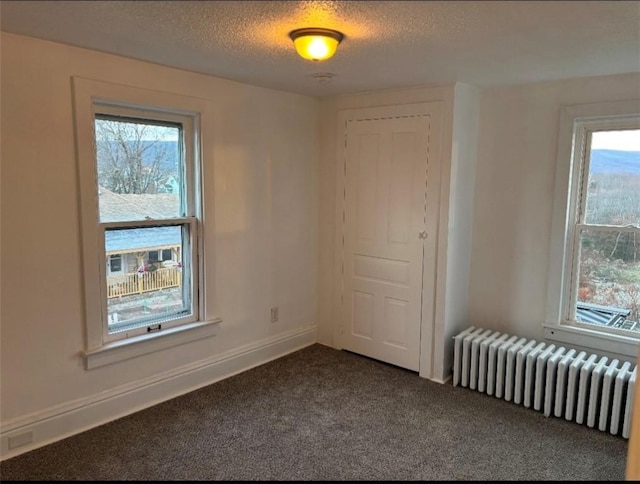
x: 85, y: 94
x: 143, y: 344
x: 557, y: 325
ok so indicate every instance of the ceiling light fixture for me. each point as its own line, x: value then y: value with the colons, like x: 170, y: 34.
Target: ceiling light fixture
x: 316, y: 44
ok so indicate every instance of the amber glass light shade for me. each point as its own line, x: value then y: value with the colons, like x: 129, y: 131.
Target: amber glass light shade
x: 316, y: 44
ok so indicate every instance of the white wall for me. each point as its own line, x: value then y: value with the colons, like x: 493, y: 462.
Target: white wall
x: 514, y: 195
x: 260, y: 194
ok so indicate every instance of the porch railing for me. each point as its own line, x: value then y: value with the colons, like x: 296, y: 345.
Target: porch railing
x: 135, y: 283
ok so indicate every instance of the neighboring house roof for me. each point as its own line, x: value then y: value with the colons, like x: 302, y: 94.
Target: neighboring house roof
x: 141, y: 240
x: 118, y: 207
x: 605, y: 315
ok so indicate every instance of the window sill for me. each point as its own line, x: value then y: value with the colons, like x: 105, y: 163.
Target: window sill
x: 620, y: 346
x: 148, y: 343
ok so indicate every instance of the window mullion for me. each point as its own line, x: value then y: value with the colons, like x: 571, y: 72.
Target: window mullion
x: 146, y: 223
x: 579, y: 202
x: 609, y: 228
x: 187, y: 142
x: 584, y: 160
x: 573, y: 277
x: 102, y: 271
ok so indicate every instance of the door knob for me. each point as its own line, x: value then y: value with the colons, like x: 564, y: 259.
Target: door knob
x: 422, y: 235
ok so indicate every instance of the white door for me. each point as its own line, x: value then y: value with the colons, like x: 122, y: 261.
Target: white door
x: 385, y: 231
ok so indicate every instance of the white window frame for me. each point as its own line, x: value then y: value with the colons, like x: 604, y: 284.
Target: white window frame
x: 92, y: 96
x: 189, y: 276
x: 576, y: 125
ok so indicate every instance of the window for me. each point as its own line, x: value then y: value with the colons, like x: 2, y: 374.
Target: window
x: 134, y: 150
x: 605, y: 265
x: 115, y: 263
x: 594, y: 285
x: 142, y: 250
x: 159, y: 255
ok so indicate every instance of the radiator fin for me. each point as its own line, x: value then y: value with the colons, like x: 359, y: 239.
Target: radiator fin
x: 558, y: 381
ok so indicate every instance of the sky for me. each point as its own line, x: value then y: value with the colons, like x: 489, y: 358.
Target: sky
x: 627, y: 140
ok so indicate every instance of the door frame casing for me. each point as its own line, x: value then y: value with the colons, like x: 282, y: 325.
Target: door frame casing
x: 434, y: 110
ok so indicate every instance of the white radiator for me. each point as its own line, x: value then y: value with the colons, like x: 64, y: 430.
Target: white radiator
x: 559, y: 381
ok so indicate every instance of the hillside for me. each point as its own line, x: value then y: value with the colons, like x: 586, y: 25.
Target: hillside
x: 612, y: 161
x: 168, y: 148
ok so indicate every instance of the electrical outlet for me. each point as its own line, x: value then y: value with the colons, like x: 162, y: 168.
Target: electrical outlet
x: 274, y: 314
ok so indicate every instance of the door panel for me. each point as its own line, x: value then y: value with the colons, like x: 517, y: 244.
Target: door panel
x: 385, y: 188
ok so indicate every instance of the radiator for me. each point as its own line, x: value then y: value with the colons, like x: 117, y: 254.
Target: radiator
x: 562, y: 382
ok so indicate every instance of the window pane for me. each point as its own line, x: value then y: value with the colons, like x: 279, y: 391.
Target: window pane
x: 139, y: 170
x: 116, y: 263
x: 613, y: 193
x: 148, y: 291
x: 609, y: 279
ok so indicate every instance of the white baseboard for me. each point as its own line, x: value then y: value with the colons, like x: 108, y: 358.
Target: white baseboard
x: 56, y: 423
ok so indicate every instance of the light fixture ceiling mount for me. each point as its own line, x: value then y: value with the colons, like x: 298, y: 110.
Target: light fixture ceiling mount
x: 316, y: 44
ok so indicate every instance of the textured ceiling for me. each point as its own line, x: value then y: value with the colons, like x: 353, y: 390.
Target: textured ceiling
x: 388, y: 44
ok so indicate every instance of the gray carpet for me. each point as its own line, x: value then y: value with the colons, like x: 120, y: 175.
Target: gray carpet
x: 323, y: 414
